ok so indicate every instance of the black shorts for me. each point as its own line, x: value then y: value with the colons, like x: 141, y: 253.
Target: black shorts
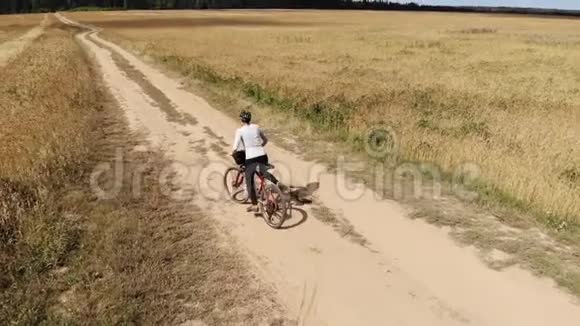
x: 260, y: 159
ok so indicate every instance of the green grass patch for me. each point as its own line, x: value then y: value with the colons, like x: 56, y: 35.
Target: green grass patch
x: 95, y: 8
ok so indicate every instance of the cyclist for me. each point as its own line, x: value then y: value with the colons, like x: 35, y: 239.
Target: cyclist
x: 251, y: 139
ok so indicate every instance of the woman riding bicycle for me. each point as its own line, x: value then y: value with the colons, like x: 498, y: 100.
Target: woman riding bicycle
x: 251, y: 139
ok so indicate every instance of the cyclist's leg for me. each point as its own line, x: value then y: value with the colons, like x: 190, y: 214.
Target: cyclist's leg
x: 250, y: 182
x: 263, y: 160
x: 271, y: 177
x: 268, y: 176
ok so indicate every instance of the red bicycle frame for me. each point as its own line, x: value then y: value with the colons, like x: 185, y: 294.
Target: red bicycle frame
x: 262, y: 181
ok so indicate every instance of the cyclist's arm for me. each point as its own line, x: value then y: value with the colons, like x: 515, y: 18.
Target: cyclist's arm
x: 237, y: 140
x: 263, y: 136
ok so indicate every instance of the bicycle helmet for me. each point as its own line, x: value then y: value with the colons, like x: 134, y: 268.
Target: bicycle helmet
x: 245, y: 117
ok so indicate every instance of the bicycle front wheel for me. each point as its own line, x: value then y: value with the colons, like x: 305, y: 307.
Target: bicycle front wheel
x: 274, y: 206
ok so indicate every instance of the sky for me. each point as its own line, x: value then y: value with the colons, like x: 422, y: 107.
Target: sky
x: 559, y: 4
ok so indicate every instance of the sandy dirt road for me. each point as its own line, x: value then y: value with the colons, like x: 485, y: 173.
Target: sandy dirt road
x: 409, y: 272
x: 12, y: 48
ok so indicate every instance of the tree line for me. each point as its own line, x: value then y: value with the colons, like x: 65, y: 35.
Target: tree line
x: 23, y: 6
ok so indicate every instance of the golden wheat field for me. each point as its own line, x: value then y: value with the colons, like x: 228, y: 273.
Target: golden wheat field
x: 500, y: 91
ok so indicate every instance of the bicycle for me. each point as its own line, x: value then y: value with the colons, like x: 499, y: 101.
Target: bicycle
x: 272, y: 202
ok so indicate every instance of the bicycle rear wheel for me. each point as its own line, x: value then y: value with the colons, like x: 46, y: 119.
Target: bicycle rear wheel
x: 274, y: 206
x: 234, y: 183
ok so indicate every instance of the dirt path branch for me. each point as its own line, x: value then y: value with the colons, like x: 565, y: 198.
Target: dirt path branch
x: 11, y: 48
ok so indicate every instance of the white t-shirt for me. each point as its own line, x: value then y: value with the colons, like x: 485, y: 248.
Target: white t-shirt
x: 251, y: 139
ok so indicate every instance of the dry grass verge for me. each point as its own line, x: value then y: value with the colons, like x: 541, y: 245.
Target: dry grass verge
x: 48, y: 109
x: 67, y: 257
